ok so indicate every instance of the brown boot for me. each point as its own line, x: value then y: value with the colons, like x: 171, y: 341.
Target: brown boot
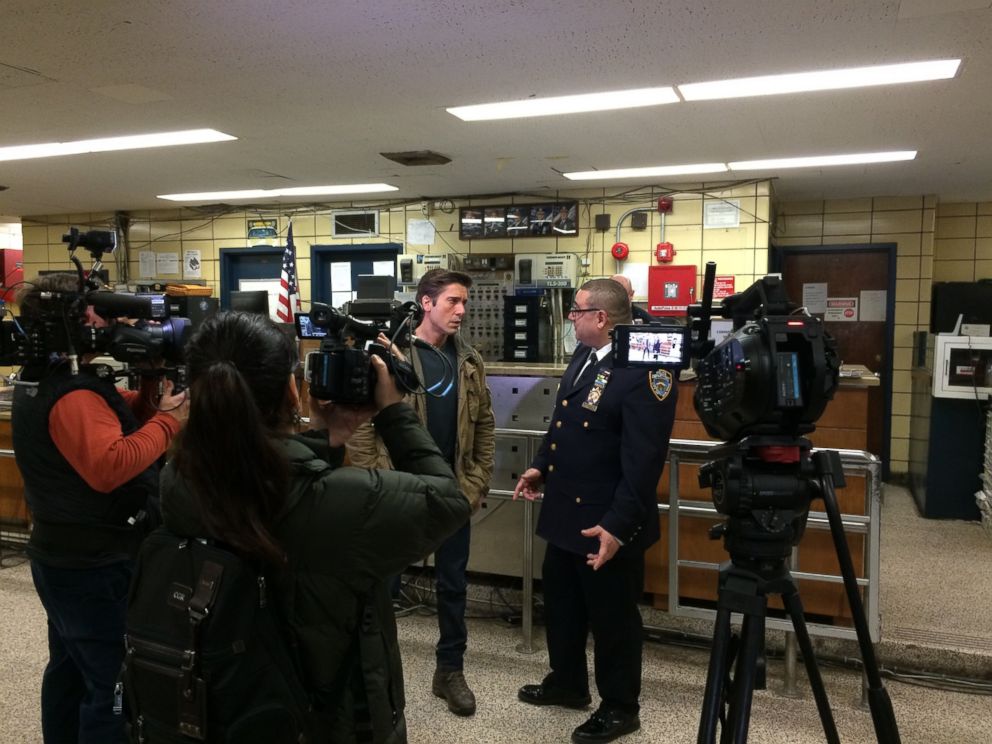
x: 454, y: 689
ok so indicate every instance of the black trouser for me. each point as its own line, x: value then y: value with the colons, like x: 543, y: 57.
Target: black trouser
x: 577, y: 600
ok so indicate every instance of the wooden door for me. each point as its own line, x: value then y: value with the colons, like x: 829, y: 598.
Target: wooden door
x: 848, y: 271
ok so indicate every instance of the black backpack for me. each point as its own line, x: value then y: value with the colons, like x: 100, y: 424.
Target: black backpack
x: 206, y: 659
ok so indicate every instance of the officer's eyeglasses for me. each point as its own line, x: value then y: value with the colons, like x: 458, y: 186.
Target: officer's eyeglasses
x: 576, y: 310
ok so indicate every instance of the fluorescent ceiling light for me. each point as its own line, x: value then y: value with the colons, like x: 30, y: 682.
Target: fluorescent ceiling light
x: 661, y: 170
x: 856, y: 77
x: 824, y: 160
x: 354, y: 188
x: 618, y: 99
x: 108, y: 144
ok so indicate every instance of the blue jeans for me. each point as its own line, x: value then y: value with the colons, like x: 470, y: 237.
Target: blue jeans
x: 86, y: 612
x: 450, y: 563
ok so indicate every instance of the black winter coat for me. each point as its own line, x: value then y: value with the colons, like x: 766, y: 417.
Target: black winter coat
x: 345, y: 530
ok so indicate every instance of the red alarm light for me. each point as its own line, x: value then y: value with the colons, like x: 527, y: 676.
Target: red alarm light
x: 665, y: 204
x: 620, y: 251
x: 664, y: 252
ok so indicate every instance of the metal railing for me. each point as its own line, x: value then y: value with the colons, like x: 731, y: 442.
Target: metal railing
x: 854, y: 462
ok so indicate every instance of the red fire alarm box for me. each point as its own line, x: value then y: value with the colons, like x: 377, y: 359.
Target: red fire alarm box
x: 12, y: 270
x: 671, y: 289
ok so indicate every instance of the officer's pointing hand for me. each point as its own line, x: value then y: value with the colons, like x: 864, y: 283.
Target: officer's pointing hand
x: 529, y: 485
x: 608, y: 547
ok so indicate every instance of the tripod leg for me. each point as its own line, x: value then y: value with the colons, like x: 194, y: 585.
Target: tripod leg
x: 882, y: 715
x: 795, y: 608
x: 712, y: 697
x: 739, y: 716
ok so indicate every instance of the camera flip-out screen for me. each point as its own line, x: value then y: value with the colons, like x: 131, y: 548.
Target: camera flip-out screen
x: 305, y: 327
x: 651, y: 346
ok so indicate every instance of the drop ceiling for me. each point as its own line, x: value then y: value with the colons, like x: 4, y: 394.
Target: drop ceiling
x: 316, y: 90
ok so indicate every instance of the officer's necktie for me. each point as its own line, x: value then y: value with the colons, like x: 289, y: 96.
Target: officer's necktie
x: 590, y: 361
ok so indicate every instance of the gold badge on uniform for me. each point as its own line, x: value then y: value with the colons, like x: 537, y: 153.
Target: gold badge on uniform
x: 596, y: 391
x: 660, y: 382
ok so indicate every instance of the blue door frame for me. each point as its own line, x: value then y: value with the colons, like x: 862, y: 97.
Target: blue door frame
x: 361, y: 257
x: 259, y: 262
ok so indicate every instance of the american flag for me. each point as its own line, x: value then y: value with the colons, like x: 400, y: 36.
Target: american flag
x: 289, y: 298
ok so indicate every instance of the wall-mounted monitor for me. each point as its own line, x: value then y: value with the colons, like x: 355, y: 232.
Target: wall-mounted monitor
x: 553, y: 219
x: 249, y: 301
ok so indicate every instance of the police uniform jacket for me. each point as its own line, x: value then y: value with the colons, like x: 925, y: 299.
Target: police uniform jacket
x: 604, y: 453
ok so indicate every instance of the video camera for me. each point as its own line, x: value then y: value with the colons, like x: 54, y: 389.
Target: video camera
x: 774, y: 374
x: 759, y: 390
x: 341, y: 371
x: 55, y: 322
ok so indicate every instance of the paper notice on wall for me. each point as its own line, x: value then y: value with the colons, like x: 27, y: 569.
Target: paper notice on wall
x: 166, y: 263
x: 873, y: 305
x: 341, y: 276
x: 815, y: 297
x: 384, y: 268
x: 638, y: 275
x: 146, y: 264
x: 841, y: 309
x: 192, y: 264
x: 420, y: 232
x: 723, y: 213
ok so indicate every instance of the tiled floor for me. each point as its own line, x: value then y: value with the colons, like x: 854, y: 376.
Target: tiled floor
x: 936, y: 597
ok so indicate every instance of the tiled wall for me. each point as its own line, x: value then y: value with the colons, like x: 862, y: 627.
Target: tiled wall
x: 909, y: 223
x: 963, y: 242
x: 740, y: 251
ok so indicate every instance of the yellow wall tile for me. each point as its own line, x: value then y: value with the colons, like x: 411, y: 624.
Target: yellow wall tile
x: 902, y: 381
x: 883, y: 203
x: 685, y: 212
x: 902, y: 221
x: 908, y: 267
x: 801, y: 207
x: 956, y: 227
x: 729, y: 238
x: 983, y: 228
x: 954, y: 271
x: 796, y: 241
x: 846, y: 223
x: 907, y: 290
x: 956, y: 209
x: 907, y: 244
x: 902, y: 404
x: 902, y: 358
x: 926, y: 243
x: 906, y: 312
x: 832, y: 206
x: 983, y: 269
x: 899, y: 454
x: 903, y: 335
x: 900, y: 427
x: 685, y: 238
x: 954, y: 249
x: 799, y: 225
x: 984, y: 207
x: 34, y: 235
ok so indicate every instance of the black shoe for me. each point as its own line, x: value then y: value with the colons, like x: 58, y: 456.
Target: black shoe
x: 547, y: 695
x: 606, y: 725
x: 455, y: 690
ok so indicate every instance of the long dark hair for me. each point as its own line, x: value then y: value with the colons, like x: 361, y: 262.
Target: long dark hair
x: 239, y: 366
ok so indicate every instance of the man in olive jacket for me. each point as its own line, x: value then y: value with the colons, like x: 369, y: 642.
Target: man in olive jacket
x: 345, y: 530
x: 457, y: 410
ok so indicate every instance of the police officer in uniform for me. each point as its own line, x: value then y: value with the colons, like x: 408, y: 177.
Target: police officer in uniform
x: 599, y: 467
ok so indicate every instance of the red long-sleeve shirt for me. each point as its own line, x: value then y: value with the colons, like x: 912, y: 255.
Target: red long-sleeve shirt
x: 88, y: 434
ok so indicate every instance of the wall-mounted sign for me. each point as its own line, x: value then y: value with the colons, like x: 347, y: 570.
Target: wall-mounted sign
x: 721, y: 213
x: 723, y: 286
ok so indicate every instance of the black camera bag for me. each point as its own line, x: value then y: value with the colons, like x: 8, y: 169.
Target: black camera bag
x: 206, y: 659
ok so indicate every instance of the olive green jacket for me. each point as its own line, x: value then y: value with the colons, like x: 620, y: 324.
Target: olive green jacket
x: 475, y: 447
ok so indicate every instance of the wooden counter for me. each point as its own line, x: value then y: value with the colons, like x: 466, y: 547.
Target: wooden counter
x: 13, y: 510
x: 842, y: 426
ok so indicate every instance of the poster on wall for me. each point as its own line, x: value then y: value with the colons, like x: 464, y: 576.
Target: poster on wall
x: 815, y: 297
x: 192, y: 264
x: 841, y: 309
x: 723, y: 286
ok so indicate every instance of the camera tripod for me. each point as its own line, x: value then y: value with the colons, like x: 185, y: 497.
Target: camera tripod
x: 765, y: 487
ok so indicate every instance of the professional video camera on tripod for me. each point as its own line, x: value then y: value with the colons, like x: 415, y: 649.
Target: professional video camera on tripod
x: 56, y: 325
x: 760, y: 390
